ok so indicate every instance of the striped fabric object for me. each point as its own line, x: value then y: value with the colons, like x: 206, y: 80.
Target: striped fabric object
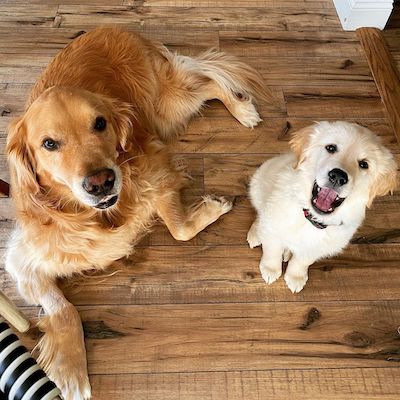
x: 20, y: 376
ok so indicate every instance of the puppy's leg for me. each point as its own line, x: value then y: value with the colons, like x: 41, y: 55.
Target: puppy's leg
x: 186, y: 224
x: 271, y: 260
x: 296, y: 274
x: 252, y: 236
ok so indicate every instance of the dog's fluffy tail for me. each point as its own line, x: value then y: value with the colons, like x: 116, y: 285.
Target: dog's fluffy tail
x: 232, y: 74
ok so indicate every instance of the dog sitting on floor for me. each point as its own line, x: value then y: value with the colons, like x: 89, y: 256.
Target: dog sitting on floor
x: 311, y: 201
x: 91, y: 169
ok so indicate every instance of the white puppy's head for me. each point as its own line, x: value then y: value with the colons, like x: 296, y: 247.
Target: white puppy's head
x: 343, y: 163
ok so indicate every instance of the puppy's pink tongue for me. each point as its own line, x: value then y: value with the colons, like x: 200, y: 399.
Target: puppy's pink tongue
x: 325, y: 198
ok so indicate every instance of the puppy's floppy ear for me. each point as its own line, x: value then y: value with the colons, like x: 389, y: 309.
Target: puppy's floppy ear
x: 386, y: 177
x: 22, y: 165
x: 299, y: 143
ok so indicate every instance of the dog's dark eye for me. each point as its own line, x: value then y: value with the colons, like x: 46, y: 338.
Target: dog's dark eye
x: 363, y: 164
x: 100, y: 124
x: 331, y: 148
x: 50, y: 144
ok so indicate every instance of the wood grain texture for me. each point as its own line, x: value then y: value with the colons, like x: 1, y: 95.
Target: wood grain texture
x: 384, y: 71
x: 195, y: 321
x: 305, y: 384
x: 239, y: 337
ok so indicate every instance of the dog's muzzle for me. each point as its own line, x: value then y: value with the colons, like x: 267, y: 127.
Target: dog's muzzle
x: 100, y: 185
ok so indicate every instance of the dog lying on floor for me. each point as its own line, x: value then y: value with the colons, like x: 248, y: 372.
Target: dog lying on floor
x: 310, y: 202
x: 90, y: 169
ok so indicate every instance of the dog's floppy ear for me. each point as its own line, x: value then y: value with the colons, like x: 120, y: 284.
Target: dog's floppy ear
x: 386, y: 177
x: 299, y: 143
x: 22, y: 164
x: 123, y: 120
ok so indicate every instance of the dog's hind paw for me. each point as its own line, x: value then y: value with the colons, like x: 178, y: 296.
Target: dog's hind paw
x: 296, y: 283
x: 247, y: 114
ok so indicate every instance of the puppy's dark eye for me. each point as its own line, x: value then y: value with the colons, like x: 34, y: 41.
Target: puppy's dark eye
x: 363, y: 164
x: 50, y: 144
x: 331, y: 148
x: 100, y: 124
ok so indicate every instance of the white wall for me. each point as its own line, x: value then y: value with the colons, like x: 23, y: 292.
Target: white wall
x: 355, y: 14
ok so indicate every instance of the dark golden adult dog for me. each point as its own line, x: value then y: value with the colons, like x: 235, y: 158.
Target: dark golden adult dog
x: 91, y: 169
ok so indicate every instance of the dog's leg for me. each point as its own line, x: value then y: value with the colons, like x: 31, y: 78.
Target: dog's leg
x: 211, y: 75
x: 62, y: 348
x: 239, y: 104
x: 252, y: 236
x: 271, y: 260
x: 186, y: 224
x: 296, y: 274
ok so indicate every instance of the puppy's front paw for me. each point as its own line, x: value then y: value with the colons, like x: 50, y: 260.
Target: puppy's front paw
x: 252, y: 238
x: 270, y: 275
x: 246, y: 114
x: 296, y: 283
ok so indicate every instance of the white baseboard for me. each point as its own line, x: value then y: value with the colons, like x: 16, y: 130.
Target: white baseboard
x: 355, y: 14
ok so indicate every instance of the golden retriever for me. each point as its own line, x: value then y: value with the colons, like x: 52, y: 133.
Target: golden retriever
x: 90, y: 169
x: 311, y: 201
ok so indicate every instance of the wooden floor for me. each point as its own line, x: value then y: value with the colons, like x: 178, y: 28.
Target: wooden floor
x: 195, y: 321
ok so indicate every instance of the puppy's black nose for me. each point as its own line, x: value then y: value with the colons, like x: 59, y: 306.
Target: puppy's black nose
x: 99, y: 183
x: 338, y: 177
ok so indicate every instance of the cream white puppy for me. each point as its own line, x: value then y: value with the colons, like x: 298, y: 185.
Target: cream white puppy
x: 311, y: 201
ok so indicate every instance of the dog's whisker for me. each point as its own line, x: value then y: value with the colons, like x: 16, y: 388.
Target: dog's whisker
x: 130, y: 158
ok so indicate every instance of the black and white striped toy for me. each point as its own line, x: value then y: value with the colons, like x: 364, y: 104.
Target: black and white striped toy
x: 20, y: 376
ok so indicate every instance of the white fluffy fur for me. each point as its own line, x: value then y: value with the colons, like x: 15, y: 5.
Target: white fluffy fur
x: 282, y: 187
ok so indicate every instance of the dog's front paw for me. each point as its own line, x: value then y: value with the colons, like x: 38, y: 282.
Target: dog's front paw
x: 72, y: 387
x: 296, y: 283
x: 252, y: 237
x: 270, y: 275
x: 62, y: 353
x: 217, y: 205
x: 246, y: 114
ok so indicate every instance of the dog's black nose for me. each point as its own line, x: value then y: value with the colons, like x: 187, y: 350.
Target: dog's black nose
x: 338, y: 177
x: 99, y: 183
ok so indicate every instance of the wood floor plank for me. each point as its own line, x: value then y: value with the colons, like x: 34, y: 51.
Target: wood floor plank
x: 14, y: 15
x: 216, y: 18
x: 264, y: 43
x: 333, y: 102
x: 308, y: 384
x: 221, y: 337
x: 314, y: 4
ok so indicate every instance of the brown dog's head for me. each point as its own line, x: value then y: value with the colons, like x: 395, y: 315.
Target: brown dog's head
x: 72, y: 138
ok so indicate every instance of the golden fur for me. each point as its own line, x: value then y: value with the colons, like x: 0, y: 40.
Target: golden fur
x: 147, y: 95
